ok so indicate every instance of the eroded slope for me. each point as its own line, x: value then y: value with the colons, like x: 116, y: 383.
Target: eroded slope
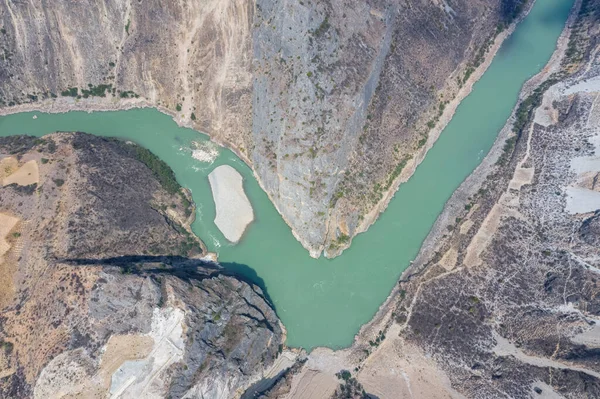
x: 329, y: 101
x: 107, y: 294
x: 503, y: 299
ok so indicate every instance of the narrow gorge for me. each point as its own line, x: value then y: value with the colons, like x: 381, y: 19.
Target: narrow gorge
x: 331, y: 103
x: 140, y: 258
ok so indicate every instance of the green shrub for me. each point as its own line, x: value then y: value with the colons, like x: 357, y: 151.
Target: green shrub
x: 70, y: 92
x: 96, y: 91
x: 159, y: 168
x: 323, y: 27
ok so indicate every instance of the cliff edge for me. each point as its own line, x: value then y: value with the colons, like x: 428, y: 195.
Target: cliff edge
x: 104, y: 286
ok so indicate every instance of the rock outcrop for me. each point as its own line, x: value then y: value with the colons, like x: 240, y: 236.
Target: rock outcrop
x: 103, y: 286
x: 503, y: 300
x: 332, y: 103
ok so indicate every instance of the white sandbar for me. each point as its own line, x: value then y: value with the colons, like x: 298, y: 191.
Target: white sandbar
x: 234, y: 211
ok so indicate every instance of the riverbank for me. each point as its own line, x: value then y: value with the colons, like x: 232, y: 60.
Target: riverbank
x: 368, y: 343
x: 455, y: 207
x: 325, y: 302
x: 110, y: 103
x: 445, y: 118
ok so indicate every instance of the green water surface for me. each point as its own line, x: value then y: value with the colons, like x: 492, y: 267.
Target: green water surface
x: 324, y: 302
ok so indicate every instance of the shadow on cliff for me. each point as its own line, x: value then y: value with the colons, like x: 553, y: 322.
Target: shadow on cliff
x: 177, y: 266
x: 248, y: 275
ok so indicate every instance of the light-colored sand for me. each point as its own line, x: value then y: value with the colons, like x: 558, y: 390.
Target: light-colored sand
x: 23, y: 176
x: 7, y: 267
x: 234, y: 211
x: 590, y: 338
x: 7, y: 223
x: 120, y: 348
x: 132, y: 366
x: 400, y: 370
x: 587, y: 86
x: 466, y: 226
x: 145, y: 378
x: 317, y: 379
x: 449, y: 259
x: 489, y: 227
x: 506, y: 348
x: 582, y: 195
x: 7, y: 166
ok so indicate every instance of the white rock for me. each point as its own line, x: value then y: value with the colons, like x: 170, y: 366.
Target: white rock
x: 234, y: 211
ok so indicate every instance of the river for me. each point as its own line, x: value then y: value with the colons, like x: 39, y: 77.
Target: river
x: 324, y: 302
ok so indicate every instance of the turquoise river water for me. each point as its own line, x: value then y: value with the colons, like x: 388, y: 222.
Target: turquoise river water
x: 324, y: 302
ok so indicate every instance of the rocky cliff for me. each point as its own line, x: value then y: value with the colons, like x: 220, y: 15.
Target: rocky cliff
x: 331, y: 102
x: 503, y: 300
x: 103, y: 285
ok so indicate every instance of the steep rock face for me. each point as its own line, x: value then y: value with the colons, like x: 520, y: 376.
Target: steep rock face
x: 503, y: 299
x: 328, y: 101
x: 103, y: 287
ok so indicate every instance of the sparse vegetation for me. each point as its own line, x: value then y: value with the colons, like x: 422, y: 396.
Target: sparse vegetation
x: 323, y: 27
x: 96, y: 91
x: 7, y: 346
x: 397, y: 170
x: 349, y: 388
x: 378, y: 340
x: 128, y: 94
x: 70, y: 92
x: 509, y: 146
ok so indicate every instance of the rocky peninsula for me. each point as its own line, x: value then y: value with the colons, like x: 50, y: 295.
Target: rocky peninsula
x: 502, y: 300
x: 331, y: 103
x: 134, y: 310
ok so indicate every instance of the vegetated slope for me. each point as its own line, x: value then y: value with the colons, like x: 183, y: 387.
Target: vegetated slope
x: 329, y: 101
x: 503, y: 300
x: 103, y: 286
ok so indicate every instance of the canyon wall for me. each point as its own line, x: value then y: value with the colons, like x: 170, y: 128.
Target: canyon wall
x: 330, y: 102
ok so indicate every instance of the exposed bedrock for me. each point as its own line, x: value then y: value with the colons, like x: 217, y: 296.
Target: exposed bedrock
x: 104, y: 289
x: 328, y: 101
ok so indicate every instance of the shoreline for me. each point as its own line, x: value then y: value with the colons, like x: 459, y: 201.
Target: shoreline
x: 371, y: 217
x: 107, y: 104
x: 471, y: 184
x: 468, y: 187
x: 63, y: 105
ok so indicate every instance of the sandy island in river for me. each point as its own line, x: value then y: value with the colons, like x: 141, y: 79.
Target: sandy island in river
x: 234, y: 211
